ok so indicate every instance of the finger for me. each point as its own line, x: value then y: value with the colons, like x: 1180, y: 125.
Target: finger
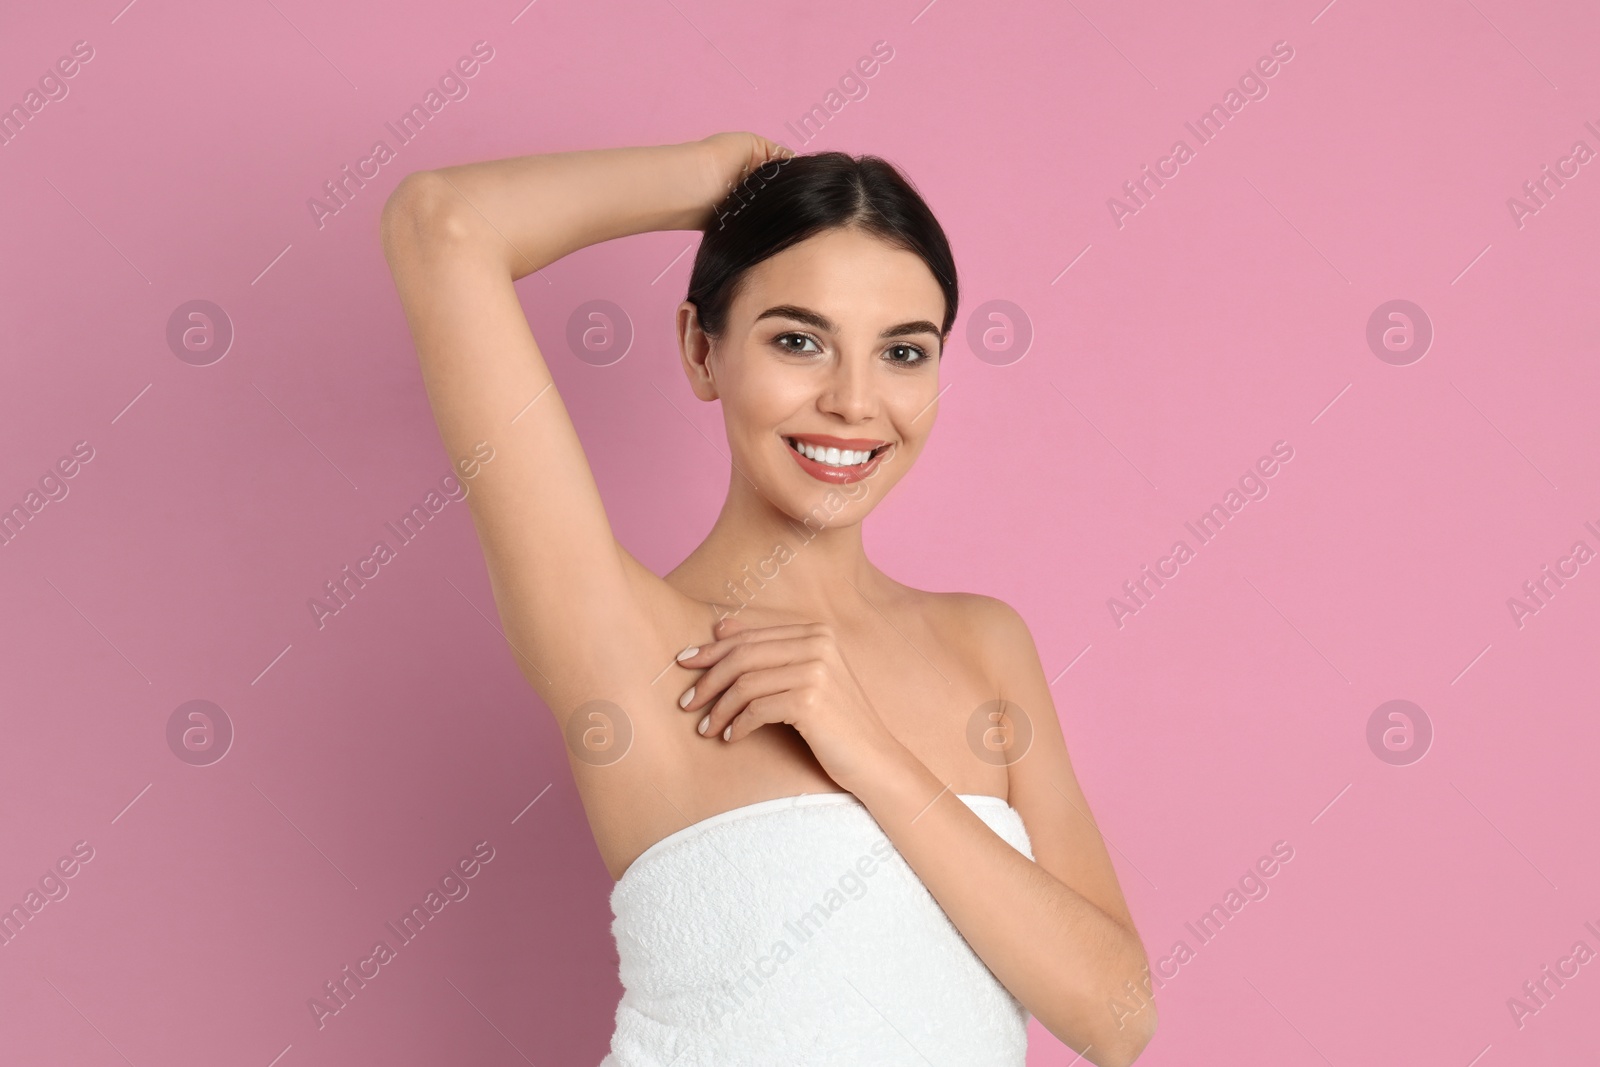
x: 745, y: 690
x: 707, y: 654
x: 758, y: 713
x: 729, y: 627
x: 739, y: 660
x: 776, y: 150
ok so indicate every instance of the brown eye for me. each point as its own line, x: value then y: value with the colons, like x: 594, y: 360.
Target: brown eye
x: 917, y: 356
x: 783, y: 339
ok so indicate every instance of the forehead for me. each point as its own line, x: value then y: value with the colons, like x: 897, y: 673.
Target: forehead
x: 847, y: 274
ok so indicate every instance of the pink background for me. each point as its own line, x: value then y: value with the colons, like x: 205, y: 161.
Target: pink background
x: 1229, y: 313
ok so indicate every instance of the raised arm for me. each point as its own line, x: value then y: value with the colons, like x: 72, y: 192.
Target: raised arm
x: 574, y: 603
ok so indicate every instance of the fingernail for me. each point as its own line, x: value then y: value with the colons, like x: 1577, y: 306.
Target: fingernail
x: 705, y: 722
x: 686, y: 653
x: 688, y: 695
x: 727, y: 735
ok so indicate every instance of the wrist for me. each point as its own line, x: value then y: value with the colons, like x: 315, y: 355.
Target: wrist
x: 889, y: 774
x: 692, y: 176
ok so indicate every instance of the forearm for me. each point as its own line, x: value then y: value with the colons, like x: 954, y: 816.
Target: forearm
x: 532, y: 210
x: 1059, y: 954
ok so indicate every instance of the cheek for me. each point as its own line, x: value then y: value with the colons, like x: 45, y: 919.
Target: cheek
x: 758, y: 398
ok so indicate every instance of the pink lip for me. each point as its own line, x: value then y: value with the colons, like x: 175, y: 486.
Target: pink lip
x: 836, y: 475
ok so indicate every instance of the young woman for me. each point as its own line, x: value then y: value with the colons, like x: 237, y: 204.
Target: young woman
x: 840, y: 811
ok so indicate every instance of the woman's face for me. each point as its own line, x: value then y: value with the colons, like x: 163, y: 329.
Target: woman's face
x: 832, y: 345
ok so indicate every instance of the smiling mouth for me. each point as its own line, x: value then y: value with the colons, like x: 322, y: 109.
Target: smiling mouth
x: 837, y: 458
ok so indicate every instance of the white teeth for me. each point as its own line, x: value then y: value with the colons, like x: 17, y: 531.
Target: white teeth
x: 832, y: 457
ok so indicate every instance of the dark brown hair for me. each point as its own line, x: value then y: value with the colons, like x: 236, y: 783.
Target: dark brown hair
x: 786, y: 201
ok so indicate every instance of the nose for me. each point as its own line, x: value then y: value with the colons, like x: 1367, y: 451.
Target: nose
x: 849, y: 390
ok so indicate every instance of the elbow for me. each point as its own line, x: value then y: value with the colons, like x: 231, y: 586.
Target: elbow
x: 1127, y: 1043
x: 1115, y: 1032
x: 422, y: 210
x: 1117, y: 1042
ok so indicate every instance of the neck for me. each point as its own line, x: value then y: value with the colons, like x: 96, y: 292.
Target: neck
x: 758, y: 556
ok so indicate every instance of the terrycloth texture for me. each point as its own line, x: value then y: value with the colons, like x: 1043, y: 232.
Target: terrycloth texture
x: 791, y: 932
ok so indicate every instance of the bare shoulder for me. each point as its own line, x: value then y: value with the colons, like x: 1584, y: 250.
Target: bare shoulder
x: 995, y: 631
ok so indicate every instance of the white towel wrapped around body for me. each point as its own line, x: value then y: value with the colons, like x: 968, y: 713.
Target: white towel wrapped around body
x: 791, y: 932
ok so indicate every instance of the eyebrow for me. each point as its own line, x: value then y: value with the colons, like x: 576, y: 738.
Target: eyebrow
x: 822, y: 322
